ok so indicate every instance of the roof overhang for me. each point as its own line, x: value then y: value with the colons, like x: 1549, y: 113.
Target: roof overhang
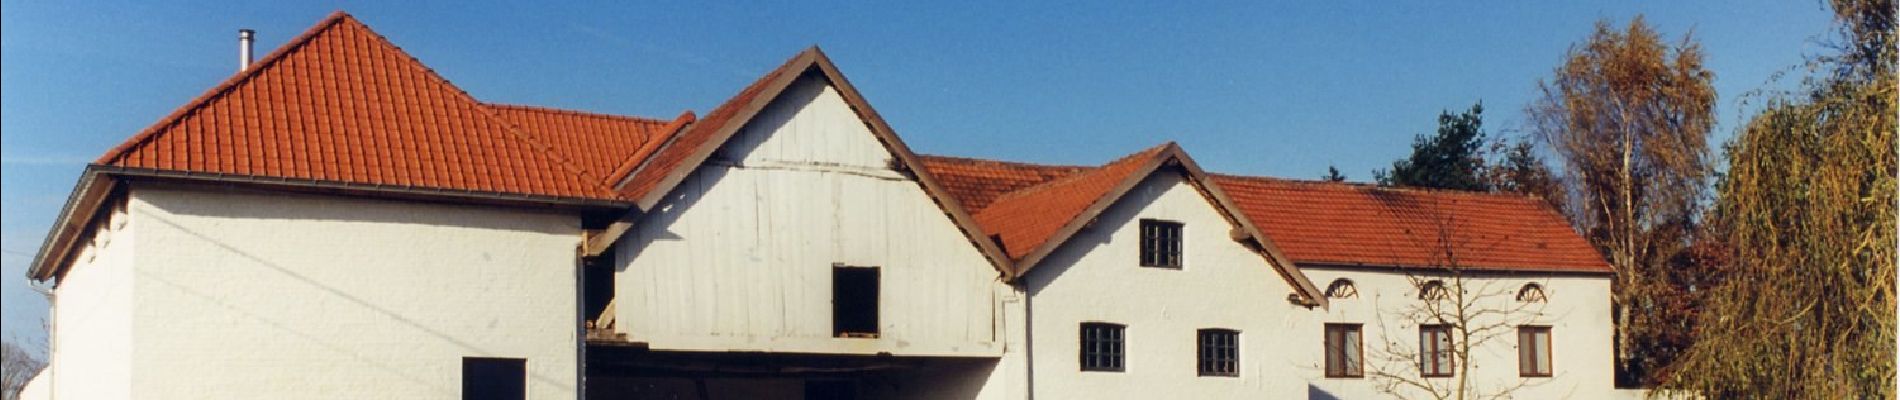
x: 99, y: 184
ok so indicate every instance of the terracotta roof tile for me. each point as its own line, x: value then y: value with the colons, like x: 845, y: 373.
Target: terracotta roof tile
x: 1352, y: 224
x: 693, y: 141
x: 1313, y: 223
x: 1026, y: 218
x: 339, y: 103
x: 605, y: 145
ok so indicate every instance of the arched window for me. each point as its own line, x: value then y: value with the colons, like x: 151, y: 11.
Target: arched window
x: 1532, y: 293
x: 1342, y: 288
x: 1433, y: 290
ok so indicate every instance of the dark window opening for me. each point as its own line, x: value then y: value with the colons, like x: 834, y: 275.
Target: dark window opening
x: 597, y: 287
x: 1533, y: 351
x: 494, y: 378
x: 1343, y: 348
x: 1102, y: 347
x: 830, y: 390
x: 1160, y: 243
x: 854, y: 292
x: 1220, y: 352
x: 1434, y: 350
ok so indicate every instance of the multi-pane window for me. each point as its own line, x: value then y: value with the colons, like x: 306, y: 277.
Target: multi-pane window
x: 1434, y: 350
x: 1220, y: 352
x: 1533, y: 351
x: 494, y: 378
x: 1160, y: 243
x: 1343, y: 347
x: 1102, y: 347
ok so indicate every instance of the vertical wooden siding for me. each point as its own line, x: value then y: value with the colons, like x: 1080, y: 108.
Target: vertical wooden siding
x: 739, y: 257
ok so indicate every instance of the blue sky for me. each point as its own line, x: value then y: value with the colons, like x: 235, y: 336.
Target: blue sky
x: 1266, y: 88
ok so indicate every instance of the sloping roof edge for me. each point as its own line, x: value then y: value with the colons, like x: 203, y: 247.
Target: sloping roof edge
x: 773, y: 84
x: 1172, y: 154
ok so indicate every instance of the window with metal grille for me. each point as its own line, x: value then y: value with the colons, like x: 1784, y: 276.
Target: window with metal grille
x: 854, y: 293
x: 1102, y: 347
x: 1160, y: 243
x: 1434, y: 350
x: 1220, y: 352
x: 494, y: 378
x: 1532, y: 293
x: 1343, y: 346
x: 1342, y: 288
x: 1533, y: 351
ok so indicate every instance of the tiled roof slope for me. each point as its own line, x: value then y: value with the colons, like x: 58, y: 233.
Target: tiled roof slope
x: 1025, y: 219
x: 340, y: 103
x: 605, y: 145
x: 976, y: 183
x: 1348, y: 224
x: 694, y: 140
x: 1340, y: 224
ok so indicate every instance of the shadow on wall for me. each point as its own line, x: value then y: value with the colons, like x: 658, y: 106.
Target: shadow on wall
x: 1315, y: 393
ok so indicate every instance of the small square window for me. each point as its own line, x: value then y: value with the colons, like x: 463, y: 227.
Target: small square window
x: 1220, y: 352
x: 854, y: 292
x: 1343, y: 347
x: 1102, y: 347
x: 1434, y: 351
x: 1160, y: 243
x: 494, y: 378
x: 1533, y: 351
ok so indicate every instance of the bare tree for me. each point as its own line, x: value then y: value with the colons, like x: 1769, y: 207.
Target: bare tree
x: 1469, y: 313
x: 1628, y: 117
x: 17, y: 366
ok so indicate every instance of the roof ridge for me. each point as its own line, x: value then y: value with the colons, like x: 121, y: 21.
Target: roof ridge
x: 631, y: 164
x: 975, y: 160
x: 1083, y: 174
x: 1375, y: 186
x: 195, y: 104
x: 533, y: 141
x: 577, y: 113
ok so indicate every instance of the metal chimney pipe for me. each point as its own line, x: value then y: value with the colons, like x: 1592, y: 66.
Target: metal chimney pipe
x: 244, y: 48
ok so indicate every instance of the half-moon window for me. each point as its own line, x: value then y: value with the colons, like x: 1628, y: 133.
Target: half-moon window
x: 1433, y: 290
x: 1532, y: 293
x: 1342, y: 288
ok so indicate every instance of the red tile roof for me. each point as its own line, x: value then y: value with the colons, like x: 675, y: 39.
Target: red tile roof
x: 607, y: 146
x: 698, y: 140
x: 977, y: 182
x: 1320, y: 223
x: 1025, y: 219
x: 340, y: 103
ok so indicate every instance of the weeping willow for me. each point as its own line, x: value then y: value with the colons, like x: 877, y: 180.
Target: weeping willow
x: 1806, y: 306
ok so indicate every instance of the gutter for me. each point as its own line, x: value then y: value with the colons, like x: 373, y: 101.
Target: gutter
x: 99, y: 182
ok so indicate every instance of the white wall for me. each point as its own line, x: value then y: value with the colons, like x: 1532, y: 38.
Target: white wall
x: 241, y: 295
x: 1096, y: 277
x: 92, y: 316
x: 739, y: 257
x: 1578, y: 313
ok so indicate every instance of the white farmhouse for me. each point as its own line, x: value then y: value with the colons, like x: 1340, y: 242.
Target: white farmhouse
x: 336, y: 220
